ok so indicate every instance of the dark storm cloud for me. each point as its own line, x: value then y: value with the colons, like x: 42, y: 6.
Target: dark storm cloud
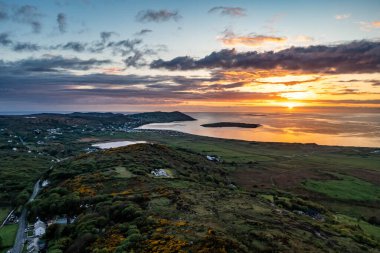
x: 74, y: 46
x: 60, y: 86
x: 28, y: 47
x: 48, y: 64
x: 62, y: 23
x: 355, y: 57
x: 28, y: 14
x: 153, y: 94
x: 228, y: 11
x: 3, y: 12
x: 30, y: 77
x: 124, y: 47
x: 105, y: 36
x: 5, y: 40
x: 157, y: 16
x: 135, y: 60
x: 3, y: 15
x: 132, y: 50
x: 143, y: 32
x: 25, y: 14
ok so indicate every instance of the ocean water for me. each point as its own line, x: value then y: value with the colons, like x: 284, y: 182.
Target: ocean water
x: 361, y: 129
x: 116, y: 144
x: 337, y: 129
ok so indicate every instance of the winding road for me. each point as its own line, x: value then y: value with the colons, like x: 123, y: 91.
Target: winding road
x: 22, y: 225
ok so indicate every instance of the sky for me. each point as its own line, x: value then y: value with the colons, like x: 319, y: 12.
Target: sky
x: 202, y: 55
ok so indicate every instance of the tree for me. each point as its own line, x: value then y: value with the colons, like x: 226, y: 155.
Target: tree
x: 374, y: 221
x: 22, y: 197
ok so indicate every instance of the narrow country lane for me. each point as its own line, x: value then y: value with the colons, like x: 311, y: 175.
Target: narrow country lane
x: 21, y: 235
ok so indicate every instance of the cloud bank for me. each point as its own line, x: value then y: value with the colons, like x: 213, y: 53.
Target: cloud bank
x: 157, y: 16
x: 354, y: 57
x: 28, y: 14
x: 228, y: 11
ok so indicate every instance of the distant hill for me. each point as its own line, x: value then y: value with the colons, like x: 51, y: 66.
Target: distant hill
x: 161, y: 117
x: 89, y: 119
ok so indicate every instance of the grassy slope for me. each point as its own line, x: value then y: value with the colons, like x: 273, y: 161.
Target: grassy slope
x: 284, y: 166
x: 369, y: 229
x: 3, y: 214
x: 8, y: 233
x: 197, y: 199
x: 267, y: 168
x: 346, y: 188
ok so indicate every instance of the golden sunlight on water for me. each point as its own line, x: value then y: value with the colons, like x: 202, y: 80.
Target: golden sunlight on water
x: 329, y: 129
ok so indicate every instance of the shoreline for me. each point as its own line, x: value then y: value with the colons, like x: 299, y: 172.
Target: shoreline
x: 261, y: 142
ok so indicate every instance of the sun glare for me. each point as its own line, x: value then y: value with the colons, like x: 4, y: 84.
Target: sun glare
x: 289, y: 105
x: 298, y: 95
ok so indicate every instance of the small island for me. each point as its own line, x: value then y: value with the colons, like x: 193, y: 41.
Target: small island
x: 231, y: 124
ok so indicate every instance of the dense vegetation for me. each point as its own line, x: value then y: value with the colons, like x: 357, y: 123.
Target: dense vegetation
x: 257, y: 197
x: 29, y: 144
x: 200, y: 209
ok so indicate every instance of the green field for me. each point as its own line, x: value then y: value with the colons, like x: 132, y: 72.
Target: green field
x: 122, y: 172
x: 346, y: 188
x: 371, y: 230
x: 8, y: 234
x: 3, y: 214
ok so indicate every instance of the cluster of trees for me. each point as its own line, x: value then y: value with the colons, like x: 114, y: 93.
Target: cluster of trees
x: 297, y: 204
x: 58, y: 201
x: 18, y: 173
x: 374, y: 220
x: 101, y: 220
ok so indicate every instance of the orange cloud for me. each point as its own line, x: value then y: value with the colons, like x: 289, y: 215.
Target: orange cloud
x: 231, y: 39
x: 376, y: 24
x: 368, y: 26
x: 259, y: 76
x: 252, y: 41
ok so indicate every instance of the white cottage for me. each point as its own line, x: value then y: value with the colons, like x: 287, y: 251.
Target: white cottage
x: 159, y: 173
x: 39, y: 228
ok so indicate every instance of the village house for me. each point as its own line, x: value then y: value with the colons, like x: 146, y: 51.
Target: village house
x: 159, y: 173
x: 39, y: 228
x: 45, y: 183
x: 213, y: 158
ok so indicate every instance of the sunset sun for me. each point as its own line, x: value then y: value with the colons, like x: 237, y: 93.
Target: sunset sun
x: 291, y: 105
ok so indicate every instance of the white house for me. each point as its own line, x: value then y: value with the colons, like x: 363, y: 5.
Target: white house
x: 159, y: 173
x: 39, y: 228
x: 213, y: 158
x: 45, y: 183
